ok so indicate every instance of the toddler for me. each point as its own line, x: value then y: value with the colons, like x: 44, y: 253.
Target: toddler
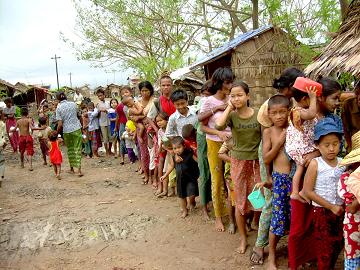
x: 112, y: 117
x: 129, y: 136
x: 94, y: 129
x: 43, y: 137
x: 55, y: 153
x: 2, y: 146
x: 187, y: 173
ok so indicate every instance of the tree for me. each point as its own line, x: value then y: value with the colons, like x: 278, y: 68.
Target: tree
x: 158, y: 35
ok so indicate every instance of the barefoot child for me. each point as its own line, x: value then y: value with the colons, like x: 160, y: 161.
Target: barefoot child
x: 44, y: 131
x: 187, y: 173
x: 94, y: 129
x: 224, y: 154
x: 129, y: 135
x: 351, y: 222
x: 2, y: 145
x: 320, y: 186
x: 245, y: 168
x: 274, y: 157
x: 85, y: 131
x: 26, y: 142
x: 104, y: 122
x: 112, y: 117
x: 299, y: 135
x: 55, y: 153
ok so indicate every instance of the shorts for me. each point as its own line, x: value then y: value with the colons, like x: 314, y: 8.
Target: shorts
x: 105, y: 134
x: 26, y: 143
x: 280, y: 212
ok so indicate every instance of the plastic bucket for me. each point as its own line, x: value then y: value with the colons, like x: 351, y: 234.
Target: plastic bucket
x: 256, y: 199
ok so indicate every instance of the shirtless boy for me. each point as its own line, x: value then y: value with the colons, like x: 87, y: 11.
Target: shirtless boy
x: 275, y: 158
x: 135, y: 109
x: 26, y: 141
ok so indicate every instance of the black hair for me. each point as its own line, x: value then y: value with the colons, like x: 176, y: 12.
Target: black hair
x: 61, y: 96
x: 53, y: 136
x: 24, y: 111
x: 148, y: 85
x: 8, y: 100
x: 126, y: 87
x: 287, y: 78
x: 100, y: 91
x: 45, y: 106
x: 220, y: 75
x: 206, y: 86
x: 188, y: 131
x: 111, y: 100
x: 42, y: 121
x: 177, y: 140
x: 165, y: 77
x: 298, y: 94
x: 339, y: 135
x: 178, y: 95
x: 163, y: 116
x: 329, y: 86
x: 244, y: 86
x: 278, y: 100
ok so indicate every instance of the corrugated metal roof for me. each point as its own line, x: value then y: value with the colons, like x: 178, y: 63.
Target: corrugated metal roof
x: 219, y: 52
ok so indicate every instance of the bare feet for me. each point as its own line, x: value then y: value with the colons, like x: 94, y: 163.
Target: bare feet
x: 206, y: 214
x: 184, y: 213
x: 58, y: 176
x: 45, y: 163
x: 71, y: 171
x: 271, y: 265
x: 231, y: 229
x: 162, y: 194
x: 219, y: 226
x: 243, y: 245
x: 31, y: 169
x: 22, y: 165
x: 171, y: 194
x: 257, y: 256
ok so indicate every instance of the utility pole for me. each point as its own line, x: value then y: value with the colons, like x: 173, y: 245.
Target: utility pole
x: 57, y: 73
x: 70, y: 79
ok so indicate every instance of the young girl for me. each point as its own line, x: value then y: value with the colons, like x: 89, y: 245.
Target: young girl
x: 187, y: 173
x: 55, y: 153
x: 112, y: 117
x: 2, y: 146
x: 9, y: 113
x: 153, y: 147
x: 94, y: 129
x: 299, y: 135
x: 320, y: 186
x: 43, y: 137
x: 85, y: 121
x: 352, y: 211
x: 245, y: 169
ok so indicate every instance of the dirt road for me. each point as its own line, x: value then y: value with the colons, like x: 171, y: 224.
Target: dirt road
x: 104, y: 220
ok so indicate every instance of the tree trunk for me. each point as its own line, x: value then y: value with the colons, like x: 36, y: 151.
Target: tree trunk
x: 344, y: 7
x: 255, y: 14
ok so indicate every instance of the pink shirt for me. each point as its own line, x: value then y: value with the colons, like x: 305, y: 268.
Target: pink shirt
x: 210, y: 103
x: 353, y: 183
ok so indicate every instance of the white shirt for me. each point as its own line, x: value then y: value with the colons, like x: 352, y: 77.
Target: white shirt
x: 177, y: 121
x: 327, y: 182
x: 78, y: 98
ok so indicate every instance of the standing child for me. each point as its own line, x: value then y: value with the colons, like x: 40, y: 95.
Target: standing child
x: 55, y: 153
x: 44, y: 131
x: 104, y: 121
x: 2, y: 146
x: 152, y: 143
x: 245, y: 168
x: 85, y: 131
x: 161, y: 121
x: 351, y: 222
x: 94, y: 131
x: 224, y: 154
x: 187, y: 173
x: 129, y: 135
x: 26, y: 142
x: 112, y: 118
x: 300, y: 135
x: 10, y: 122
x: 274, y: 157
x: 320, y: 186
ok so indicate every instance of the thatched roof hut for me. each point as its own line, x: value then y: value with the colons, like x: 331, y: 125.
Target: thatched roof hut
x: 7, y: 89
x: 30, y: 94
x: 256, y: 57
x: 343, y: 52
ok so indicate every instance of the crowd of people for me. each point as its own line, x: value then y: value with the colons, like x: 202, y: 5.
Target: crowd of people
x: 222, y: 149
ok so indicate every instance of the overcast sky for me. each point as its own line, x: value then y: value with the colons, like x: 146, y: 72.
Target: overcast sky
x: 29, y: 37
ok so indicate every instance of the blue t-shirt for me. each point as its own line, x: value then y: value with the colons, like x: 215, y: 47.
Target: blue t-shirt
x: 111, y: 115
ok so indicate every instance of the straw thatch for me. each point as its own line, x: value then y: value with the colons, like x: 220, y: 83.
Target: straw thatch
x: 343, y: 52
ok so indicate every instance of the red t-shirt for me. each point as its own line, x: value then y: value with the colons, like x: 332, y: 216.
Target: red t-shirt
x: 121, y: 114
x: 167, y: 105
x: 192, y: 145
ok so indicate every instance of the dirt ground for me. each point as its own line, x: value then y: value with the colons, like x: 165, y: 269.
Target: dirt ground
x: 105, y: 220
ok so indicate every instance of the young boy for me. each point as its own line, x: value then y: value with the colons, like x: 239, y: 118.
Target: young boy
x: 44, y: 131
x: 275, y: 157
x: 2, y: 145
x: 182, y: 116
x: 93, y: 128
x: 26, y: 142
x: 104, y: 121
